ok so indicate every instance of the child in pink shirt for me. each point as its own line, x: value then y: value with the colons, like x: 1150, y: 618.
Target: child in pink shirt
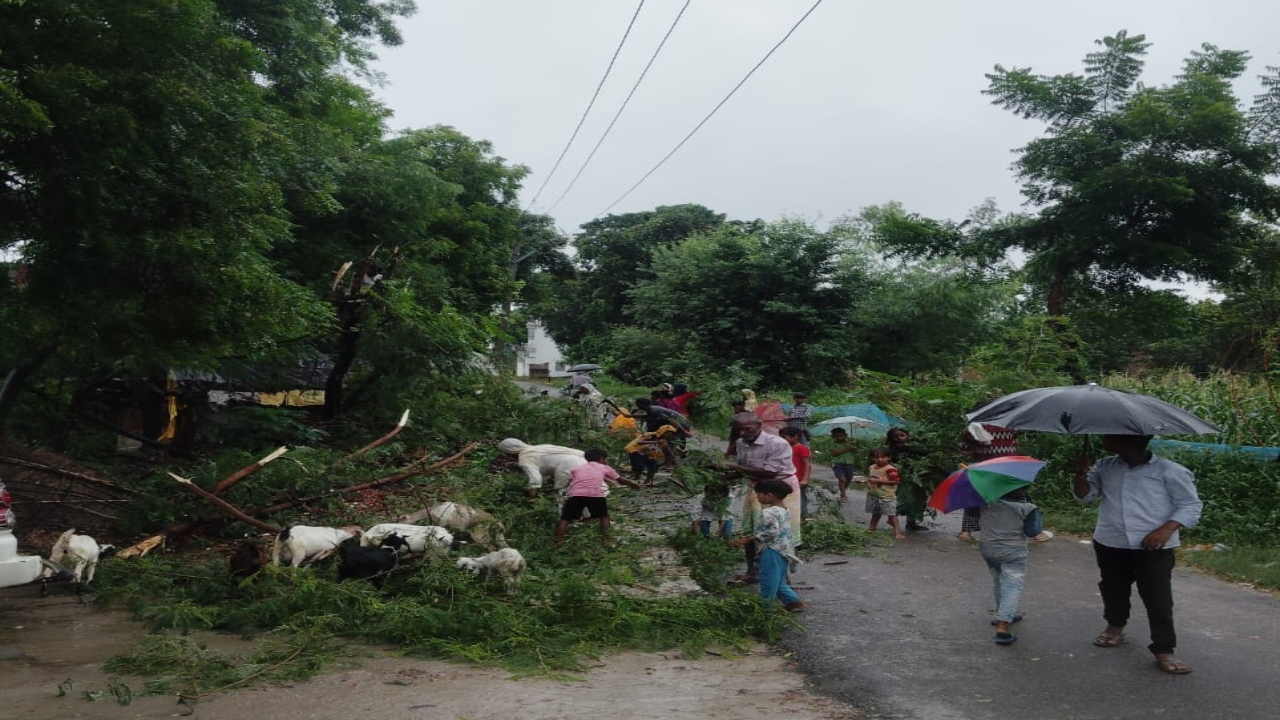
x: 588, y: 486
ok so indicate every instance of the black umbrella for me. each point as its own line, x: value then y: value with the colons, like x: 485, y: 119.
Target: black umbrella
x: 584, y: 367
x: 1090, y: 410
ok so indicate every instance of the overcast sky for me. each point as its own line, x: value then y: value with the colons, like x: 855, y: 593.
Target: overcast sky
x: 868, y: 102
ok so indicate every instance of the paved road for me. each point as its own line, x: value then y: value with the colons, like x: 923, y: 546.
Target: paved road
x: 904, y: 633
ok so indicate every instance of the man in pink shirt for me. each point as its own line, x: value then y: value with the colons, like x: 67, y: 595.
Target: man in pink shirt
x: 588, y: 487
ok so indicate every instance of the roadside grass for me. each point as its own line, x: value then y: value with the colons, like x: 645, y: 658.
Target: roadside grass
x: 1259, y: 567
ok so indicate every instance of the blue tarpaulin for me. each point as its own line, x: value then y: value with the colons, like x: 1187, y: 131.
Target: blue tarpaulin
x: 1261, y: 453
x: 871, y: 411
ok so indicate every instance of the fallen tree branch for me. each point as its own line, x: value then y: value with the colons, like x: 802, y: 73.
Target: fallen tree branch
x: 65, y: 473
x: 244, y: 472
x: 234, y: 511
x: 390, y: 479
x: 404, y: 420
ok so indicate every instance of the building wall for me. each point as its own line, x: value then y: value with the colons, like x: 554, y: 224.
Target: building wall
x: 538, y: 350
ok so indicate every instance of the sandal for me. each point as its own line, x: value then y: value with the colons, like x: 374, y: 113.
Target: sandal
x: 1173, y: 665
x: 1106, y: 639
x: 1005, y: 638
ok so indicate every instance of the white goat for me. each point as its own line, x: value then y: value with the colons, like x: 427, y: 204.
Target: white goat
x: 307, y: 544
x: 508, y: 563
x: 81, y: 550
x: 419, y: 539
x: 484, y: 529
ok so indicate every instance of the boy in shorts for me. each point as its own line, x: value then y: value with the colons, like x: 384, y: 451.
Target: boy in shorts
x: 842, y: 468
x: 882, y: 491
x: 588, y: 486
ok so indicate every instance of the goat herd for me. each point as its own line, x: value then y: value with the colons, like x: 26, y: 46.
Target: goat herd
x: 379, y: 551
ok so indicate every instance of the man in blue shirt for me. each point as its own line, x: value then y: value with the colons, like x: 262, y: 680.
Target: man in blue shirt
x: 1145, y: 500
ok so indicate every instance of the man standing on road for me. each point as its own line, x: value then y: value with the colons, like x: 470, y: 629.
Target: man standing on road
x: 1145, y: 500
x: 761, y: 455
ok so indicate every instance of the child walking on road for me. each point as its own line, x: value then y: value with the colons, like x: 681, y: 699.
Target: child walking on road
x: 1002, y: 541
x: 588, y: 486
x: 776, y: 549
x: 842, y: 468
x: 882, y: 491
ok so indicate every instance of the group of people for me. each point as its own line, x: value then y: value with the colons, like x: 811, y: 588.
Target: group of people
x: 1144, y: 500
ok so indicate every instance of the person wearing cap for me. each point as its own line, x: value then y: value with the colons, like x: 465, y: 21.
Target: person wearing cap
x: 798, y: 417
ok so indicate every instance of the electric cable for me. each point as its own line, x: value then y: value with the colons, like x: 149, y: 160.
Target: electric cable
x: 713, y: 110
x: 618, y: 114
x: 583, y: 119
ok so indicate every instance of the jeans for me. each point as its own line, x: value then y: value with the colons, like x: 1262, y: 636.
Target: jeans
x: 705, y: 527
x: 773, y: 578
x: 1152, y: 571
x: 1008, y: 566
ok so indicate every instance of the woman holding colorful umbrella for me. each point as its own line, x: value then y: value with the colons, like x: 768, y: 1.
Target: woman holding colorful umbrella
x: 998, y: 488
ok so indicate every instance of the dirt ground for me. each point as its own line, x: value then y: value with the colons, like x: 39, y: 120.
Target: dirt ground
x: 45, y: 642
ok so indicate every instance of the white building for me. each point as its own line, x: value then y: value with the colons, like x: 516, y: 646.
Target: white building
x: 540, y: 356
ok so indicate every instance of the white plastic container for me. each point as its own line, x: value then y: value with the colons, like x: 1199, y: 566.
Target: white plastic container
x: 16, y: 569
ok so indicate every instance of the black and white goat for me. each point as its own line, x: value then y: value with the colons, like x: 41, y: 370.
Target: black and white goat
x: 82, y: 554
x: 507, y: 563
x: 427, y: 540
x: 306, y: 544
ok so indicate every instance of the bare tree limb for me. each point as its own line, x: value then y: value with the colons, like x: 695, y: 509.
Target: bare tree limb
x: 244, y: 472
x: 390, y: 479
x: 404, y: 420
x: 234, y: 511
x: 65, y: 473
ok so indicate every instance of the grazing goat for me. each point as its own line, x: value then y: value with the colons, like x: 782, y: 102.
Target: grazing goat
x: 367, y: 563
x: 82, y: 552
x: 419, y: 539
x: 246, y: 561
x: 508, y: 563
x: 483, y: 528
x: 305, y: 544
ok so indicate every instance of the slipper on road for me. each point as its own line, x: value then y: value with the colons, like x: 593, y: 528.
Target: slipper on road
x: 1172, y: 665
x: 1005, y: 638
x: 1106, y: 639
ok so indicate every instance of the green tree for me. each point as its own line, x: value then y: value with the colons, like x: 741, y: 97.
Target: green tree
x: 612, y: 255
x: 428, y: 222
x: 150, y: 155
x: 1136, y: 182
x: 775, y: 298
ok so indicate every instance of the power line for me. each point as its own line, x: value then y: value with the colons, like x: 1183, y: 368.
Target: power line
x: 589, y: 105
x: 713, y: 110
x: 623, y: 106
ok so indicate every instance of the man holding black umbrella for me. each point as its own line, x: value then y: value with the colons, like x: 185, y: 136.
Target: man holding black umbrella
x: 1145, y: 501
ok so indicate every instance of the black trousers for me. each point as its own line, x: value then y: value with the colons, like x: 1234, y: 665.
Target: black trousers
x: 1152, y: 571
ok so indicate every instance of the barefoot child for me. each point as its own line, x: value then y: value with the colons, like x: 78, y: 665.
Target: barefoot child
x: 776, y: 548
x: 882, y: 491
x: 713, y: 507
x: 842, y: 468
x: 588, y: 486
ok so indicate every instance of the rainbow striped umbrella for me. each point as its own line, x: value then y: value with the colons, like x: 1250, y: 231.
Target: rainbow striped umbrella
x: 982, y: 483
